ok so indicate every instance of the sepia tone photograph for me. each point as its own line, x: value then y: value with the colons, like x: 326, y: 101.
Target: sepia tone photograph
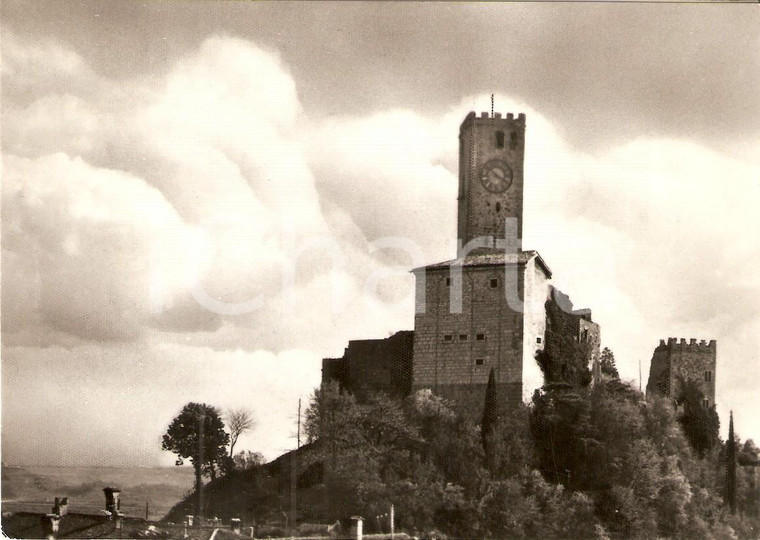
x: 382, y: 270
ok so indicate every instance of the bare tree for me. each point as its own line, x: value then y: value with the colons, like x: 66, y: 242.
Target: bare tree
x: 238, y: 422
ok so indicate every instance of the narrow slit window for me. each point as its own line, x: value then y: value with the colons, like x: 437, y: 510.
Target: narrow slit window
x: 513, y: 141
x: 708, y: 376
x: 499, y: 139
x: 479, y: 362
x: 480, y: 337
x: 706, y: 403
x: 448, y: 282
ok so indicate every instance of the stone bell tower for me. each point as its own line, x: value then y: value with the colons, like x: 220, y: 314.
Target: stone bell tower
x: 491, y: 155
x: 485, y: 309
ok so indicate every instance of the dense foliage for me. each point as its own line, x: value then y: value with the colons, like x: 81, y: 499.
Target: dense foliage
x: 564, y: 358
x: 607, y: 363
x: 598, y: 462
x: 197, y: 433
x: 700, y: 424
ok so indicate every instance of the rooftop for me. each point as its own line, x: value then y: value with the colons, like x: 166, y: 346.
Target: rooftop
x: 492, y: 259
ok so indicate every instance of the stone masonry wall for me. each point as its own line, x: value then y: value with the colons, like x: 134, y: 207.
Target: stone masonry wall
x: 454, y: 352
x: 378, y: 365
x: 693, y: 360
x: 537, y: 290
x: 481, y: 212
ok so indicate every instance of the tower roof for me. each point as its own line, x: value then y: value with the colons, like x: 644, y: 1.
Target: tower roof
x: 492, y: 259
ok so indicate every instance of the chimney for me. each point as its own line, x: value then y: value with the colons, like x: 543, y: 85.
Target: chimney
x: 356, y: 529
x: 50, y: 523
x: 113, y: 504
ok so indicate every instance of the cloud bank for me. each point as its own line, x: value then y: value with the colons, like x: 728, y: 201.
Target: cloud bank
x: 199, y: 236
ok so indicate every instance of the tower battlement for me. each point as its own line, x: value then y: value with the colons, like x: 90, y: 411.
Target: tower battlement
x: 486, y: 118
x: 677, y: 360
x: 693, y: 344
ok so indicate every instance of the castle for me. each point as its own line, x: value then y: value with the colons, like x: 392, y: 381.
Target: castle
x: 483, y: 310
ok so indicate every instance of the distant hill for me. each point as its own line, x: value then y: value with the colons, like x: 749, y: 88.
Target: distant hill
x: 33, y: 489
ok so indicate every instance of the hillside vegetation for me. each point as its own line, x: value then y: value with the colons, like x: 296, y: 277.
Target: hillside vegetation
x: 581, y: 460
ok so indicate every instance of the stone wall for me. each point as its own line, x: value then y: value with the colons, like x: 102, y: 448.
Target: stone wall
x: 378, y: 365
x: 481, y: 212
x: 461, y: 348
x: 675, y: 360
x: 537, y: 293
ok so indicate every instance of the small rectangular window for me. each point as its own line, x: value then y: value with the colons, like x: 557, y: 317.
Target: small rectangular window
x: 513, y: 141
x: 494, y: 283
x: 538, y: 340
x: 708, y: 376
x: 448, y: 282
x: 499, y: 139
x: 448, y: 337
x: 706, y: 403
x: 462, y: 337
x: 480, y: 337
x: 479, y: 362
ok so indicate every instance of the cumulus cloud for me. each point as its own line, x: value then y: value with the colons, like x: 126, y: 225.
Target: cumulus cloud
x: 136, y: 391
x: 168, y: 222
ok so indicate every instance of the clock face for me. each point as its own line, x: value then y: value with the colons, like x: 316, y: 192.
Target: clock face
x: 496, y: 176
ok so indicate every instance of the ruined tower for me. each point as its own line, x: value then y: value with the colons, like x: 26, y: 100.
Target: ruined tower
x: 676, y: 360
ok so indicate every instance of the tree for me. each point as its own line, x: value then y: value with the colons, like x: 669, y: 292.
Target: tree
x: 490, y: 423
x: 564, y: 358
x: 245, y: 460
x: 238, y: 422
x: 372, y: 455
x: 731, y: 466
x: 197, y: 433
x: 699, y: 423
x: 607, y: 363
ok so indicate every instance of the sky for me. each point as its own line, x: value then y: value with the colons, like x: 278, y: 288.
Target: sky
x: 200, y: 200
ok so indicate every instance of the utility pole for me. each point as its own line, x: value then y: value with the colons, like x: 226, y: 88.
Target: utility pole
x: 294, y: 471
x: 198, y: 479
x: 298, y: 435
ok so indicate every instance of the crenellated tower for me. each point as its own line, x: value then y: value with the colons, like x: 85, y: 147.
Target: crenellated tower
x: 675, y: 360
x: 491, y: 156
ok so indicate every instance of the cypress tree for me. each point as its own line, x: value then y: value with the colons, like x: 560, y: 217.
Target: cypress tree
x: 730, y: 499
x: 489, y: 424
